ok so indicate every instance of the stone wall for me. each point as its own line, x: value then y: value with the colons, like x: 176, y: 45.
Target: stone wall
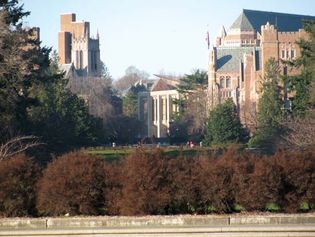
x: 155, y: 221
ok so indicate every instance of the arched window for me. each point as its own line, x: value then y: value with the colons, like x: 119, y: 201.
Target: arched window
x: 81, y: 59
x: 77, y: 57
x: 95, y: 61
x: 222, y: 82
x: 228, y: 82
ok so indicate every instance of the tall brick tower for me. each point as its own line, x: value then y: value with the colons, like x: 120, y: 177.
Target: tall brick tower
x: 75, y: 46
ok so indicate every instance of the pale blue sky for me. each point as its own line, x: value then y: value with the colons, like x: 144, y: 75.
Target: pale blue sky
x: 156, y: 35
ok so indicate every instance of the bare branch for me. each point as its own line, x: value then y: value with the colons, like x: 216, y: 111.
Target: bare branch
x: 301, y: 132
x: 17, y: 145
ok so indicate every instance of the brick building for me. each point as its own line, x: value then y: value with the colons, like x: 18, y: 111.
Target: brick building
x: 76, y: 49
x: 237, y: 61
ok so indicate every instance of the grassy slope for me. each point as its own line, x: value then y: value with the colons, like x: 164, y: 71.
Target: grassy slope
x: 116, y: 153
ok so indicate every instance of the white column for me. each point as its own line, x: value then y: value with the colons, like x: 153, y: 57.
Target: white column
x: 168, y: 111
x: 149, y: 114
x: 158, y: 118
x: 155, y: 109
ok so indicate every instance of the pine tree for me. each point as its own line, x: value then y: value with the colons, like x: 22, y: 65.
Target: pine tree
x: 13, y: 12
x: 303, y: 85
x: 270, y: 109
x: 189, y: 122
x: 20, y: 60
x: 223, y: 125
x: 61, y: 118
x: 130, y: 101
x: 34, y: 99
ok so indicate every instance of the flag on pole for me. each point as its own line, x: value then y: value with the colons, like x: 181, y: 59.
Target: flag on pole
x: 208, y: 39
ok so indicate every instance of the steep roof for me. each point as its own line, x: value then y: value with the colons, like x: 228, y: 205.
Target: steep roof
x: 162, y: 85
x: 251, y: 19
x: 242, y: 23
x: 229, y: 58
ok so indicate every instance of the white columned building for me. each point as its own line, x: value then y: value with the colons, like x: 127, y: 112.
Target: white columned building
x: 156, y: 106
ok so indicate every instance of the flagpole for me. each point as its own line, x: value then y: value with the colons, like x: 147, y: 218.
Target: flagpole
x: 208, y: 37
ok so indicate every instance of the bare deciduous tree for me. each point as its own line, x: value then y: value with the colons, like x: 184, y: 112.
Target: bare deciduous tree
x: 195, y: 110
x: 17, y: 145
x: 300, y: 132
x: 132, y: 75
x: 97, y: 94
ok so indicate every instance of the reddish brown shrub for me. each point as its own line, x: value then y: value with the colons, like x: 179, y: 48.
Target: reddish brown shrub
x: 144, y: 180
x: 18, y: 177
x: 298, y: 178
x: 225, y: 179
x: 194, y: 185
x: 74, y: 184
x: 113, y: 188
x: 183, y: 191
x: 150, y: 183
x: 265, y: 186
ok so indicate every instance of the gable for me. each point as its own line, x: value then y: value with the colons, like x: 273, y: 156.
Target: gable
x: 162, y: 85
x: 251, y: 19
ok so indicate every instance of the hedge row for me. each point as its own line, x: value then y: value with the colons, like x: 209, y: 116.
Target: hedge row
x: 151, y: 183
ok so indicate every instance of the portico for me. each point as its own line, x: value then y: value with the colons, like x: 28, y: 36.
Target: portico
x: 157, y: 107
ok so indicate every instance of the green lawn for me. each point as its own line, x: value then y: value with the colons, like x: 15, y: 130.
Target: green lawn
x: 116, y: 153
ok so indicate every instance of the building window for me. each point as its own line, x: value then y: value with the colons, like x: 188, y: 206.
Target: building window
x: 283, y: 54
x: 228, y: 82
x: 77, y: 55
x: 288, y: 56
x: 221, y: 82
x: 81, y: 59
x: 292, y: 54
x: 93, y: 61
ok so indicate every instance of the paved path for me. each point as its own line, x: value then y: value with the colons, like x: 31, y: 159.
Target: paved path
x: 245, y: 231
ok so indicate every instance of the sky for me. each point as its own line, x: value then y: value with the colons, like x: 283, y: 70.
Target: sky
x: 157, y: 36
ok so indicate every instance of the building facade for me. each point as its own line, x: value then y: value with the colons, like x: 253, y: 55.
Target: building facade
x: 76, y: 47
x: 156, y: 106
x: 237, y: 61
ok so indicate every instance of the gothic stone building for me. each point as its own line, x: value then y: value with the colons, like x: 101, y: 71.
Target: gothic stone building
x: 237, y: 61
x: 76, y: 49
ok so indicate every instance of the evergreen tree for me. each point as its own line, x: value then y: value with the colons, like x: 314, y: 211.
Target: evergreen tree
x: 14, y: 12
x: 189, y: 122
x: 223, y: 125
x: 62, y: 119
x: 34, y: 99
x: 303, y: 85
x: 130, y: 101
x: 270, y: 109
x: 298, y: 133
x: 193, y: 81
x: 21, y: 67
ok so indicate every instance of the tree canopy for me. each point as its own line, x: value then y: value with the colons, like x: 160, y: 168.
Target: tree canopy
x: 303, y: 84
x: 34, y: 97
x: 223, y: 125
x: 270, y: 109
x: 189, y: 123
